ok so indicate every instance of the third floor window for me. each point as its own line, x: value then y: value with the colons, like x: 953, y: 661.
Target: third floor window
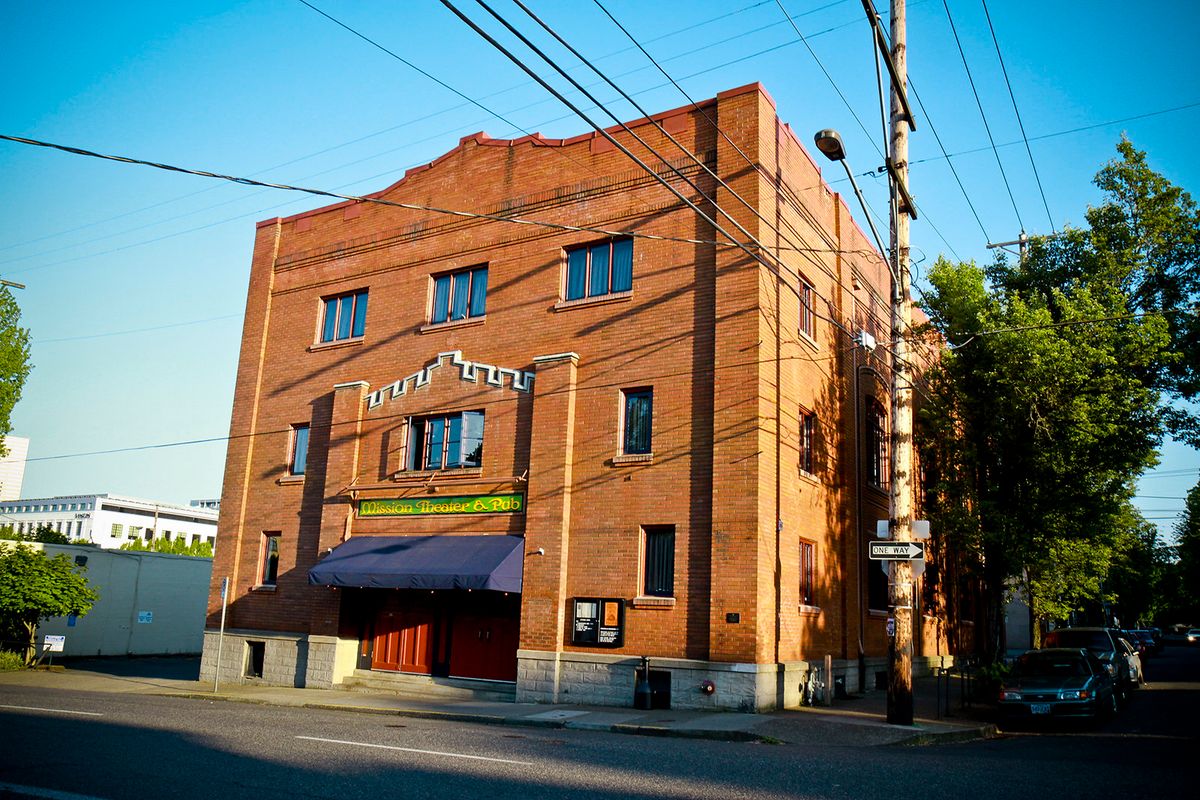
x: 459, y: 295
x: 344, y: 316
x: 599, y: 269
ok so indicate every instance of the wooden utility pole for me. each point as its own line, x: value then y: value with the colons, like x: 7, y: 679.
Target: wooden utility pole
x: 900, y: 652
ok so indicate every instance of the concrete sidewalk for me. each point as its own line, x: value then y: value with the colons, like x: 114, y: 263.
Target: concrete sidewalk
x: 853, y: 722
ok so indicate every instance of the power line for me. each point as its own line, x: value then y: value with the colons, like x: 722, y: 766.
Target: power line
x: 753, y: 255
x: 832, y: 82
x: 647, y: 115
x: 136, y: 330
x: 1074, y: 322
x: 983, y: 116
x: 389, y: 129
x: 1068, y: 131
x: 1017, y: 111
x: 742, y: 153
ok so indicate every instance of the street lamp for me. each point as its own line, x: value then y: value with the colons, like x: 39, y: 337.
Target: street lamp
x: 829, y: 142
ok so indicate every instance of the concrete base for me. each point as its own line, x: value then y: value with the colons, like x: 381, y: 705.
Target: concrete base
x: 608, y: 680
x: 315, y: 662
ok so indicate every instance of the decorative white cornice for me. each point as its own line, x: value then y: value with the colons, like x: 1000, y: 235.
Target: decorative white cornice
x: 469, y: 371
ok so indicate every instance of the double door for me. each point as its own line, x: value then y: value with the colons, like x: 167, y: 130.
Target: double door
x: 450, y: 634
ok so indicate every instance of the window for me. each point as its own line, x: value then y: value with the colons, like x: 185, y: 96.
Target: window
x: 269, y: 572
x: 637, y: 420
x: 877, y: 444
x: 808, y: 433
x: 658, y: 579
x: 807, y: 574
x: 344, y: 316
x: 459, y: 295
x: 149, y: 534
x: 449, y: 441
x: 135, y: 532
x: 807, y: 317
x: 599, y: 269
x: 298, y: 457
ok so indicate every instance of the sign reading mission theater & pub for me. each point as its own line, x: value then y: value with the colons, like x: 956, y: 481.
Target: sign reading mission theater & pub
x: 431, y: 506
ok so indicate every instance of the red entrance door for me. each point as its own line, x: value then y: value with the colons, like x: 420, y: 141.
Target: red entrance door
x: 484, y: 647
x: 403, y: 641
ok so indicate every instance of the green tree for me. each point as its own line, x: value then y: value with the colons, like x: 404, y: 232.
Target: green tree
x: 1038, y: 419
x: 14, y: 360
x: 43, y: 533
x: 35, y: 586
x: 176, y: 547
x: 1187, y: 537
x: 1061, y: 379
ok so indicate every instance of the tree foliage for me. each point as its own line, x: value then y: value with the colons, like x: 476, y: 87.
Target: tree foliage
x: 1051, y: 399
x: 42, y: 533
x: 1187, y: 537
x: 14, y: 360
x: 178, y: 547
x: 35, y: 586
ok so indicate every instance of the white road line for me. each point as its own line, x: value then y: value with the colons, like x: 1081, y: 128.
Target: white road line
x: 414, y: 750
x: 53, y: 710
x: 49, y: 794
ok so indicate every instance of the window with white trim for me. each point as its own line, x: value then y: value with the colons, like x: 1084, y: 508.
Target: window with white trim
x: 658, y: 566
x: 445, y: 441
x: 298, y: 449
x: 459, y: 295
x: 344, y: 316
x: 637, y: 421
x: 808, y: 319
x: 600, y: 269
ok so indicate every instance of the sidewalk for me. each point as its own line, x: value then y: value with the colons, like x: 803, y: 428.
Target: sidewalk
x: 854, y: 722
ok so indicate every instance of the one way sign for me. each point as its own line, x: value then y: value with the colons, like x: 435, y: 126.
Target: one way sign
x: 896, y: 551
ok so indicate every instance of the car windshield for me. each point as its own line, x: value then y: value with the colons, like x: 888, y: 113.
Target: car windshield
x: 1044, y: 665
x: 1092, y: 640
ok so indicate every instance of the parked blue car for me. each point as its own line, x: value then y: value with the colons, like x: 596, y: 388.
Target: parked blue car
x: 1058, y: 683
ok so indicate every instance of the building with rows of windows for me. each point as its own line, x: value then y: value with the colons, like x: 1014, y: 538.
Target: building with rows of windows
x: 577, y: 426
x: 110, y: 520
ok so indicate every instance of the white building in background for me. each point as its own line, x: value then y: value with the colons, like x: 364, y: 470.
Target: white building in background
x: 110, y: 520
x: 12, y: 467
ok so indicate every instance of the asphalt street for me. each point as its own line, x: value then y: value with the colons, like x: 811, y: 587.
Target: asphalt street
x: 112, y: 745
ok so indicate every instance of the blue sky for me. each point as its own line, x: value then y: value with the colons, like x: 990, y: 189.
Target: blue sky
x: 136, y: 277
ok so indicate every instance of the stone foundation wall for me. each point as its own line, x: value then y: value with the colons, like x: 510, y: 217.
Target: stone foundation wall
x: 285, y: 658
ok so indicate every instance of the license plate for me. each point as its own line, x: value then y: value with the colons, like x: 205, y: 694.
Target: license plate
x: 1039, y: 708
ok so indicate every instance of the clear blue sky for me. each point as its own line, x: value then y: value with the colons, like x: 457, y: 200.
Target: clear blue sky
x: 137, y: 278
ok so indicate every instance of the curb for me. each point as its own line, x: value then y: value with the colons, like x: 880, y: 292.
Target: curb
x: 979, y: 733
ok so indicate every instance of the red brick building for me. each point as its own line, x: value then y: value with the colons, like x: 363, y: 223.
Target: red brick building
x: 572, y: 429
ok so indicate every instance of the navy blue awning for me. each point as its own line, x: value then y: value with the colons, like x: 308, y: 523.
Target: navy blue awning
x: 424, y: 562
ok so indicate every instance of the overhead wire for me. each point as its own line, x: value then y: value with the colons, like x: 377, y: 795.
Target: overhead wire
x: 380, y: 201
x: 1012, y: 96
x: 407, y: 123
x: 983, y: 115
x: 829, y: 77
x: 753, y: 255
x: 680, y: 146
x: 742, y: 153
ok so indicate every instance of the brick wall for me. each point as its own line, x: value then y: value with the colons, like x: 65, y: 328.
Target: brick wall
x: 713, y: 328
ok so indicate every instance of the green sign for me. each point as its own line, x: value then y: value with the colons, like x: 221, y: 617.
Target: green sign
x: 427, y: 506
